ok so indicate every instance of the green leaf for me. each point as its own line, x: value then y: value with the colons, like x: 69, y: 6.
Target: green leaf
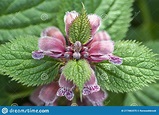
x: 115, y: 14
x: 114, y: 99
x: 139, y: 68
x: 154, y: 46
x: 77, y: 71
x: 80, y: 30
x: 17, y: 62
x: 148, y: 96
x: 26, y: 17
x: 10, y: 91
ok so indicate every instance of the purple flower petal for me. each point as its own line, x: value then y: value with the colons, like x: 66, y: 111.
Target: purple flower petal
x: 101, y: 47
x: 98, y: 58
x: 48, y: 92
x: 65, y: 83
x: 86, y: 91
x: 51, y: 46
x: 55, y: 33
x: 68, y: 19
x: 37, y: 55
x: 92, y: 79
x: 115, y: 60
x: 99, y: 50
x: 100, y: 36
x: 91, y: 85
x: 61, y: 91
x: 34, y: 97
x: 97, y: 98
x: 95, y: 22
x: 69, y: 95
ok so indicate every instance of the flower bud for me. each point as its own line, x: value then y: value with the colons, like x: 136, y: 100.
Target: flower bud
x: 77, y: 46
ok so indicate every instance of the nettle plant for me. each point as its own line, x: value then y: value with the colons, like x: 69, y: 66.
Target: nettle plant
x: 82, y: 65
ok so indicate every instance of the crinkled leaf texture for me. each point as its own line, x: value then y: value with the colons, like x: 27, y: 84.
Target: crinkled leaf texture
x: 80, y: 30
x: 116, y: 17
x: 115, y: 14
x: 17, y: 62
x: 148, y: 96
x: 29, y: 17
x: 139, y: 68
x: 77, y: 71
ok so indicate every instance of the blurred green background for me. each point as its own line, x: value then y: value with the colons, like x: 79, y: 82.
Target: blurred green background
x: 144, y: 28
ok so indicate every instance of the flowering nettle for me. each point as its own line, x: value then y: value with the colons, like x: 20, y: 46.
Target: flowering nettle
x: 97, y: 47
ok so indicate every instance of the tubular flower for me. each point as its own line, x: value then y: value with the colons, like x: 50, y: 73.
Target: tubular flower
x: 99, y: 48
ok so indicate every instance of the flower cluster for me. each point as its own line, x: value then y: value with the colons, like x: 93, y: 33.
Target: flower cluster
x: 52, y: 43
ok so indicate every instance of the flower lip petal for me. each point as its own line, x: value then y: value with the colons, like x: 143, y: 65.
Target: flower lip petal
x: 55, y: 33
x: 68, y: 19
x: 98, y: 58
x: 95, y: 22
x: 69, y: 95
x: 115, y: 60
x: 91, y: 85
x: 48, y: 92
x: 97, y: 98
x: 61, y: 91
x: 37, y: 55
x: 51, y: 44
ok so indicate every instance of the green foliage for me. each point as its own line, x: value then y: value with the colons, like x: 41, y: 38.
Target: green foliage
x: 154, y: 45
x: 115, y: 14
x: 26, y: 17
x: 139, y: 68
x: 145, y: 24
x: 148, y: 96
x: 77, y: 71
x: 10, y: 90
x: 17, y: 16
x: 17, y: 62
x: 80, y: 30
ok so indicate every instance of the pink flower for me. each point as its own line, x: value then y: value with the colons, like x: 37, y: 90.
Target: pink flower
x: 48, y: 94
x: 99, y: 48
x: 52, y: 43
